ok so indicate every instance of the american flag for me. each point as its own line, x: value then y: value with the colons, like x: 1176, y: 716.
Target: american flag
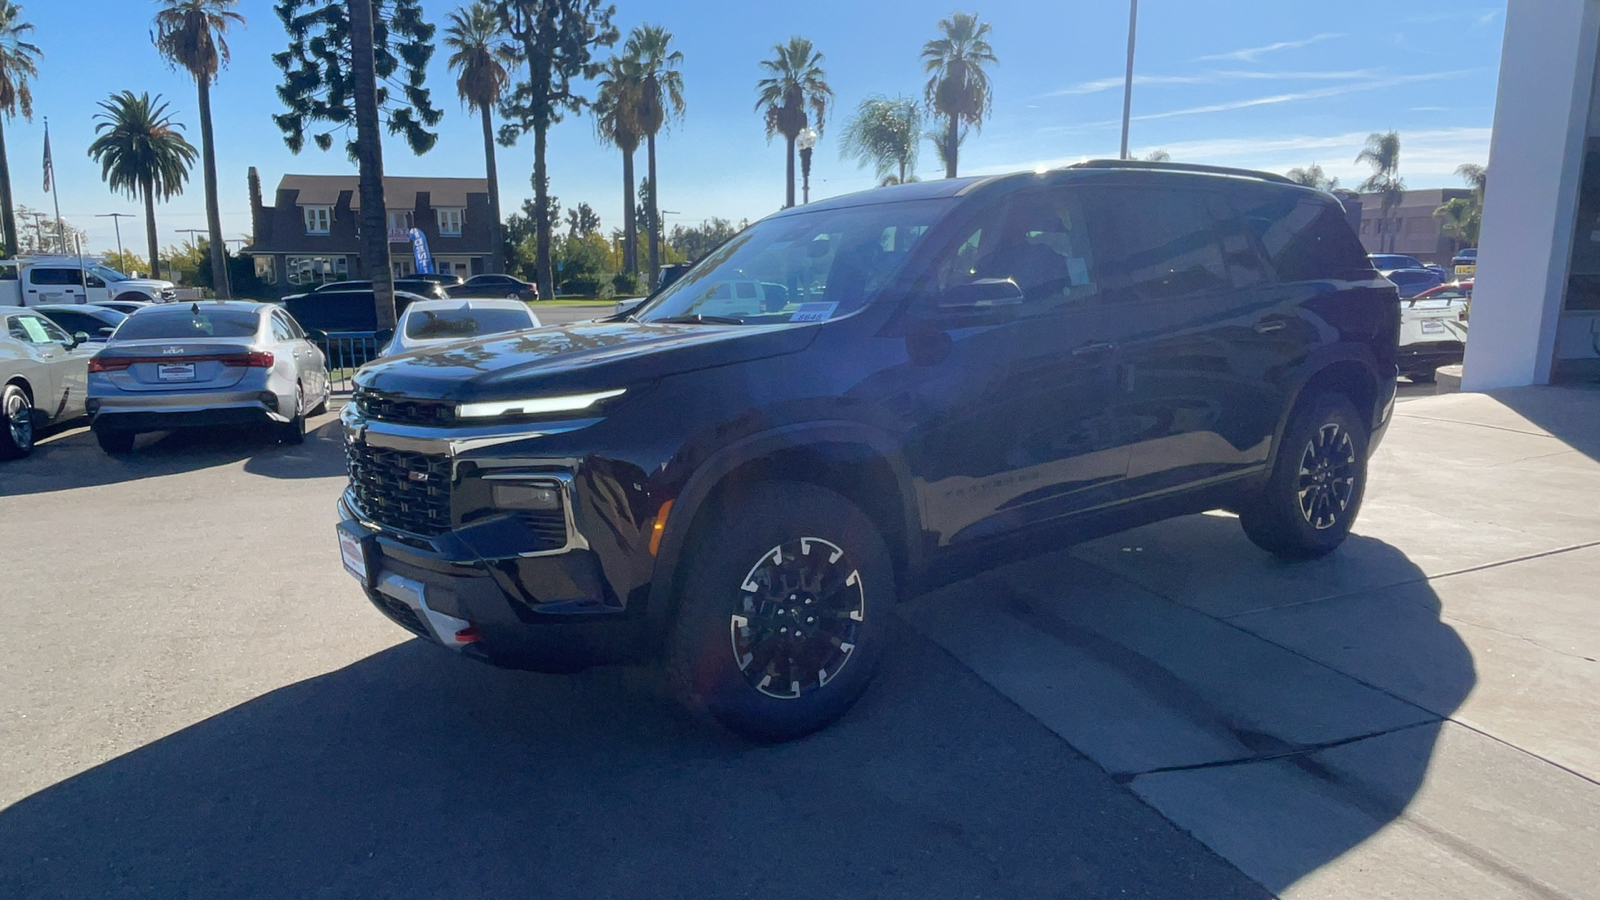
x: 49, y: 167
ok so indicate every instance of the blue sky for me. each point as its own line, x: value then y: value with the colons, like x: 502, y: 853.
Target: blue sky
x: 1260, y: 83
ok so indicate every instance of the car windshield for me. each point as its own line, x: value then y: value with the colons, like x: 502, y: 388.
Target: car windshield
x: 106, y: 273
x: 805, y: 267
x: 206, y: 323
x: 436, y: 324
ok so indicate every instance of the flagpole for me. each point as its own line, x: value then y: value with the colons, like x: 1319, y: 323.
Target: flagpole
x: 50, y: 176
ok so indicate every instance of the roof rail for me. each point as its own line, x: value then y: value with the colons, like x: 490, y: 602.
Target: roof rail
x: 1180, y: 167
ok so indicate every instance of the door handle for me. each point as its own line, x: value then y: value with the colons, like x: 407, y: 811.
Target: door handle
x: 1094, y: 347
x: 1267, y: 326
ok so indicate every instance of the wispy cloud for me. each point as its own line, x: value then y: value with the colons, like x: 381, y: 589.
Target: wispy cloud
x: 1473, y: 16
x: 1295, y: 97
x: 1217, y: 77
x: 1251, y: 54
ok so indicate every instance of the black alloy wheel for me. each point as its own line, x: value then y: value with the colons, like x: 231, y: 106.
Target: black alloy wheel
x: 799, y: 618
x: 1327, y: 479
x: 1310, y: 499
x: 16, y: 423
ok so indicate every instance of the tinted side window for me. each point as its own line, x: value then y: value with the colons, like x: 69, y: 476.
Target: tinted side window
x: 280, y: 329
x: 41, y: 275
x: 1305, y: 238
x: 1037, y: 239
x: 1154, y: 244
x: 1245, y: 266
x: 75, y: 322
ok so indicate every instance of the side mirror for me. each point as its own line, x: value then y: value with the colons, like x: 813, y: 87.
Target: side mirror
x: 107, y: 332
x: 79, y: 339
x: 981, y: 296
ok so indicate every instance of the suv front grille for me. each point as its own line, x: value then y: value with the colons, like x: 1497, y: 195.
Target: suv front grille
x: 384, y: 408
x: 405, y: 491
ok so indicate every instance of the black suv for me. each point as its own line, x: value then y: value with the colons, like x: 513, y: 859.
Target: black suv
x: 859, y: 399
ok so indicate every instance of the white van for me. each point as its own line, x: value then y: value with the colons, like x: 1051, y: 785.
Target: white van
x: 34, y: 281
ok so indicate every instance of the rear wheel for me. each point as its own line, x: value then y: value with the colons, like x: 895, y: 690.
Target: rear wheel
x: 1319, y: 475
x: 1426, y: 376
x: 294, y: 430
x: 16, y: 423
x: 114, y: 441
x: 783, y: 611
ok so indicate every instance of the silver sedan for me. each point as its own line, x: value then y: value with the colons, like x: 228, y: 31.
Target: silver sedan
x: 41, y: 377
x: 185, y: 365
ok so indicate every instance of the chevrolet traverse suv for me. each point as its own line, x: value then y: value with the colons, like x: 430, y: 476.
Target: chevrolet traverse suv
x: 862, y: 398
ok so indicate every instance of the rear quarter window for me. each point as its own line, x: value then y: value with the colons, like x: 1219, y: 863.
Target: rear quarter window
x: 1305, y: 238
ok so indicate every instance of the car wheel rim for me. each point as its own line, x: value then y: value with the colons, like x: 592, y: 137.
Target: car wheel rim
x: 19, y: 421
x: 799, y: 617
x: 1327, y: 479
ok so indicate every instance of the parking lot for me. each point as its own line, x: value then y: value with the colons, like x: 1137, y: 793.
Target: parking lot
x: 199, y: 702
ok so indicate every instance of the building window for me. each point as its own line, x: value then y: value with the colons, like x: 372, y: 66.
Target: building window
x: 450, y: 221
x: 404, y: 268
x: 319, y: 219
x: 266, y: 269
x: 316, y: 269
x: 399, y: 220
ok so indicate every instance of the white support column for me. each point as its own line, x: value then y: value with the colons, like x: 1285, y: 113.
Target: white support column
x: 1547, y: 76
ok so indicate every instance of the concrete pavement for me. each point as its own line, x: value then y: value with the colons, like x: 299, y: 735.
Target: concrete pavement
x: 198, y: 702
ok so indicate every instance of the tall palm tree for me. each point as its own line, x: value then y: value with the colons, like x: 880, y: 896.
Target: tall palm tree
x: 616, y: 120
x: 1312, y: 176
x: 1476, y: 176
x: 885, y: 134
x: 189, y: 34
x: 19, y: 62
x: 481, y: 54
x: 141, y: 153
x: 660, y: 102
x: 1383, y: 154
x: 958, y: 88
x: 795, y: 82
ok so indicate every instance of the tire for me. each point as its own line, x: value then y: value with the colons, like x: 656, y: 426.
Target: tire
x: 16, y: 422
x: 723, y: 663
x: 1424, y: 377
x: 113, y: 441
x: 294, y: 430
x: 1318, y: 478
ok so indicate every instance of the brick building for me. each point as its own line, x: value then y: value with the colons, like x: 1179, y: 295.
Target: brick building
x: 311, y: 233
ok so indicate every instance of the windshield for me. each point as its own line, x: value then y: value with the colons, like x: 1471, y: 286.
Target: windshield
x: 445, y: 324
x: 179, y: 326
x: 106, y: 273
x: 808, y: 267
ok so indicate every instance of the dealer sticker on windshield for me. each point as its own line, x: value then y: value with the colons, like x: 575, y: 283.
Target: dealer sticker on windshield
x: 814, y: 312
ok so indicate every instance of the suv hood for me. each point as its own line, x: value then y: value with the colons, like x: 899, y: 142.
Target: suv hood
x: 142, y: 284
x: 593, y: 356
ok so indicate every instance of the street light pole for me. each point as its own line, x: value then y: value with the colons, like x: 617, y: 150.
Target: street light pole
x: 116, y: 219
x: 1127, y: 87
x: 806, y: 141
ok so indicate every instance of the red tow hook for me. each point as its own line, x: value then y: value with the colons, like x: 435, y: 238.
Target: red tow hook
x: 468, y: 635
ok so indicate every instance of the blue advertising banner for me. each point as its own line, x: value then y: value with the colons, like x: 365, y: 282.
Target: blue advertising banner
x: 419, y: 248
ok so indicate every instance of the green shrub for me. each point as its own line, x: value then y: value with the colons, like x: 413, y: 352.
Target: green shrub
x: 628, y: 283
x: 585, y: 285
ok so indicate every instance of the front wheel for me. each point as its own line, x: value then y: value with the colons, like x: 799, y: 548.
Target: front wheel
x: 16, y: 423
x: 783, y: 611
x: 1319, y: 476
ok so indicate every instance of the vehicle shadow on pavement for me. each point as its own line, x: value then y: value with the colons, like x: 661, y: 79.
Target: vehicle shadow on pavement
x: 415, y: 773
x: 71, y: 459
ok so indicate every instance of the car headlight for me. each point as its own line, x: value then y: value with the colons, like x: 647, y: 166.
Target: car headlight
x: 535, y: 406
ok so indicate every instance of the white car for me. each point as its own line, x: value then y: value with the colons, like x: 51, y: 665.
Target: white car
x: 35, y: 281
x: 429, y: 322
x: 44, y: 376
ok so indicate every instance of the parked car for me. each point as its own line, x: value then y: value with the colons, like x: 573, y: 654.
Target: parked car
x: 43, y: 372
x: 428, y: 323
x: 417, y: 287
x: 95, y: 322
x: 344, y: 324
x: 126, y: 307
x: 1412, y: 282
x: 214, y: 363
x: 445, y: 281
x: 497, y: 286
x: 964, y: 371
x: 1433, y: 330
x: 1388, y: 262
x: 33, y: 281
x: 1464, y: 265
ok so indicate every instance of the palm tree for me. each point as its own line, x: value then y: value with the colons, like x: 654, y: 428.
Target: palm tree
x: 1383, y: 154
x: 958, y: 88
x: 660, y: 102
x: 616, y: 120
x: 795, y: 82
x: 141, y: 153
x: 885, y: 134
x: 1312, y: 176
x: 19, y: 62
x: 1476, y: 176
x: 479, y: 61
x: 189, y: 34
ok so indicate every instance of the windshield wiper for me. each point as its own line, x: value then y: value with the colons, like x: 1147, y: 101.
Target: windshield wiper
x: 697, y: 319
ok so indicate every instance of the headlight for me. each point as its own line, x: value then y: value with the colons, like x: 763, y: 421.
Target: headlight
x: 534, y: 406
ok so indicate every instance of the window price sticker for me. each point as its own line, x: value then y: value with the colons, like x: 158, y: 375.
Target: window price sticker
x: 814, y: 312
